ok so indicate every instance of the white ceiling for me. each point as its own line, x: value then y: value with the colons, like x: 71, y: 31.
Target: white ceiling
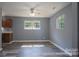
x: 41, y: 9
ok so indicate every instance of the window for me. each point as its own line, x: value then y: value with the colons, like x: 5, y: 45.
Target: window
x: 60, y: 22
x: 31, y: 24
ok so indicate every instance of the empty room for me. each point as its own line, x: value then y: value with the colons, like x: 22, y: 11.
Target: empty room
x: 38, y: 29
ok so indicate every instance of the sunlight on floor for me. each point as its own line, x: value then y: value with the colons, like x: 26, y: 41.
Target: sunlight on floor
x: 32, y: 45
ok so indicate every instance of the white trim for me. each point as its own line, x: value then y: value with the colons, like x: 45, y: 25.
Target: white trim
x: 70, y: 54
x: 30, y: 40
x: 0, y: 49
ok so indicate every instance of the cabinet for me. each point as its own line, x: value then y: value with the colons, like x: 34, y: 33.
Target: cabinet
x: 7, y: 23
x: 7, y: 37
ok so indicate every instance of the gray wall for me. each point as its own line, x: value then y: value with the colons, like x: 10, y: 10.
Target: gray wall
x: 64, y: 38
x: 75, y: 38
x: 21, y: 34
x: 0, y: 28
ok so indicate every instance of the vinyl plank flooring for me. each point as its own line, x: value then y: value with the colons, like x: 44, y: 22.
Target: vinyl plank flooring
x: 32, y: 49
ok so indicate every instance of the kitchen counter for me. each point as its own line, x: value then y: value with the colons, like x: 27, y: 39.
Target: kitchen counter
x: 7, y: 31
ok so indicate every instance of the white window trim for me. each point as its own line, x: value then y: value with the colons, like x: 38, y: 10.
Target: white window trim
x: 32, y: 28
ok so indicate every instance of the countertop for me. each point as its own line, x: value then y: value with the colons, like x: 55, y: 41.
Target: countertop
x: 6, y: 30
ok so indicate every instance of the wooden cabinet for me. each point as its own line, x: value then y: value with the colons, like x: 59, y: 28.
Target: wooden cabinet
x: 7, y: 23
x: 7, y: 37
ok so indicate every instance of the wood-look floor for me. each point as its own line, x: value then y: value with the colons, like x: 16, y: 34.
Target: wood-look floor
x: 31, y: 49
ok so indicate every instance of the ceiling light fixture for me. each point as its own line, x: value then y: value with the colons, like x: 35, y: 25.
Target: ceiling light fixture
x: 54, y: 8
x: 32, y: 12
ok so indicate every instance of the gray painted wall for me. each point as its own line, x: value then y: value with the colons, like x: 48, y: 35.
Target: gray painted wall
x: 0, y: 28
x: 75, y: 38
x: 19, y: 33
x: 64, y: 38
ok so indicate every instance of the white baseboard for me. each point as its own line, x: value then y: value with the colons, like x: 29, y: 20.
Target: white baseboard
x: 70, y: 54
x: 0, y: 49
x: 30, y: 40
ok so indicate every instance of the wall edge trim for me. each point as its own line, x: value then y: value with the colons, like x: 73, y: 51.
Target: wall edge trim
x: 30, y: 40
x: 70, y: 54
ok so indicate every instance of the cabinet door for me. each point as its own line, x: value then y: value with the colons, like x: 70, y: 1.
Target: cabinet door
x: 7, y: 23
x: 6, y: 37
